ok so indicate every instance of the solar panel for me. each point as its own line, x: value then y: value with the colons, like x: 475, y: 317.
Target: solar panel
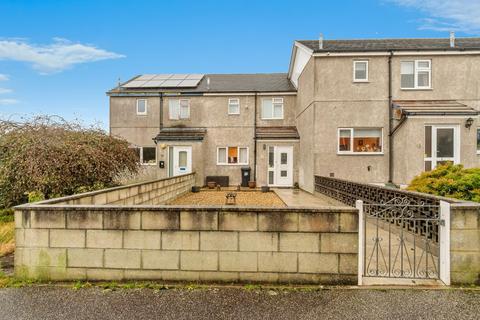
x: 165, y: 81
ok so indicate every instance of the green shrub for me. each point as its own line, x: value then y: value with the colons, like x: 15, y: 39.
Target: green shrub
x: 451, y: 181
x: 47, y: 157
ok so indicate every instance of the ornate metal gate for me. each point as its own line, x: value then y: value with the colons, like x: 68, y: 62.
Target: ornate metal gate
x: 401, y: 239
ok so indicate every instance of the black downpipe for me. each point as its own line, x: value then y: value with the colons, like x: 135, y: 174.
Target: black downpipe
x: 161, y: 111
x: 255, y: 139
x: 390, y: 120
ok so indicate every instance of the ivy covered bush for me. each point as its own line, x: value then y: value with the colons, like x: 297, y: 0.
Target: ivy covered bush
x: 46, y: 157
x: 451, y: 181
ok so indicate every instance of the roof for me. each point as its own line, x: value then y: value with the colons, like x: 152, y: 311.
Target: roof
x: 181, y: 134
x: 285, y: 132
x: 367, y: 45
x: 215, y: 83
x: 433, y: 107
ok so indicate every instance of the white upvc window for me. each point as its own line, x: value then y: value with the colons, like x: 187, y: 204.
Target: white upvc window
x: 147, y: 155
x: 179, y: 109
x: 416, y: 74
x: 272, y: 108
x: 233, y: 106
x: 360, y: 141
x: 232, y: 155
x: 141, y: 107
x: 360, y: 71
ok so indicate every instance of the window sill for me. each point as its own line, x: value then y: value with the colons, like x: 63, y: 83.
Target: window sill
x: 142, y: 114
x: 148, y: 164
x: 360, y: 153
x: 233, y: 114
x: 232, y: 164
x: 416, y: 89
x: 361, y: 81
x: 271, y: 119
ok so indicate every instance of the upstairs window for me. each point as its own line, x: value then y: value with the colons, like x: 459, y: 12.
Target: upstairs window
x: 232, y: 155
x: 234, y: 106
x: 147, y: 155
x: 416, y: 74
x: 141, y: 107
x: 355, y: 140
x: 272, y: 108
x: 179, y: 109
x: 360, y: 71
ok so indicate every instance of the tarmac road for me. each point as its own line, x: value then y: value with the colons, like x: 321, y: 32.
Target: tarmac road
x: 40, y: 302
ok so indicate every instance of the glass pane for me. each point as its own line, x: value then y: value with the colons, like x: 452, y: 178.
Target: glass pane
x: 182, y: 159
x: 233, y: 109
x: 360, y: 70
x: 278, y: 110
x: 267, y: 108
x: 222, y: 155
x: 243, y: 155
x: 149, y: 155
x: 408, y: 81
x: 424, y: 64
x: 407, y: 67
x: 423, y: 79
x: 367, y: 140
x: 445, y: 145
x: 271, y: 157
x: 428, y: 165
x: 428, y: 141
x: 173, y: 108
x: 270, y: 177
x: 141, y: 106
x: 344, y: 141
x: 283, y: 173
x: 232, y: 155
x: 283, y: 158
x: 478, y: 139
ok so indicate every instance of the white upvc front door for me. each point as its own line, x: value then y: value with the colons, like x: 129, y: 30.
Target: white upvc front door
x: 280, y: 166
x: 442, y: 144
x: 182, y: 160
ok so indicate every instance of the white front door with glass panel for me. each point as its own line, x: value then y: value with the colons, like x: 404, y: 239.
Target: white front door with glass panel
x: 280, y: 166
x: 442, y: 145
x: 182, y: 160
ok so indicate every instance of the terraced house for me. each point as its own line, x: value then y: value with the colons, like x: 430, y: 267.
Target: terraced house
x: 375, y: 111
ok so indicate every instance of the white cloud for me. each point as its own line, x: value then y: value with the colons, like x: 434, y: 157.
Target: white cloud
x: 5, y: 90
x: 3, y: 77
x: 447, y: 15
x: 6, y: 102
x: 55, y: 57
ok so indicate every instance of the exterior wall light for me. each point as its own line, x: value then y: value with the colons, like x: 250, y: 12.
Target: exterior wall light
x: 468, y: 123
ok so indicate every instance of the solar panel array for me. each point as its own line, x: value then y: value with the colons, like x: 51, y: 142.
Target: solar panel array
x: 165, y: 81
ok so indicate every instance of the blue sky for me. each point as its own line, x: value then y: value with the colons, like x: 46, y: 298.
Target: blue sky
x: 59, y: 57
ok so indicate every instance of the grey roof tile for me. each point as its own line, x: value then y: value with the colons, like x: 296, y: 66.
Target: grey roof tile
x: 392, y: 44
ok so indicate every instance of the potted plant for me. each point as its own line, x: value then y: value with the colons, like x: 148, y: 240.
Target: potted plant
x: 252, y: 184
x: 211, y: 184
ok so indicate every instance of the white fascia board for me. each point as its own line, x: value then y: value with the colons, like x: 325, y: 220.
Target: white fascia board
x: 222, y: 94
x: 396, y: 53
x: 298, y: 47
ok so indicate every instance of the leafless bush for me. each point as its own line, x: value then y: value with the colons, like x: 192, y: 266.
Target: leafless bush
x: 54, y: 157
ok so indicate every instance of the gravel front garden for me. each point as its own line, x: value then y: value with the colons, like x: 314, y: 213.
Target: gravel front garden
x: 242, y: 198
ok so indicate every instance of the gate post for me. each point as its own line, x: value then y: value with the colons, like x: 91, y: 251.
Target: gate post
x: 361, y: 237
x: 444, y: 234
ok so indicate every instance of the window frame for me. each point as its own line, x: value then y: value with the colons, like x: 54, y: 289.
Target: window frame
x: 179, y: 117
x: 226, y: 156
x: 416, y: 70
x: 230, y: 103
x: 146, y: 107
x: 355, y: 68
x: 273, y: 108
x: 352, y: 134
x: 478, y: 150
x: 141, y: 155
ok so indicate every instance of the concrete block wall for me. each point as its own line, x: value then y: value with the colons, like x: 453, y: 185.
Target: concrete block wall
x: 287, y: 245
x: 465, y: 243
x: 151, y: 192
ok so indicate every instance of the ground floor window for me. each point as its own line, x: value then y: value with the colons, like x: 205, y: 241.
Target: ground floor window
x: 147, y: 155
x: 232, y: 155
x: 360, y: 140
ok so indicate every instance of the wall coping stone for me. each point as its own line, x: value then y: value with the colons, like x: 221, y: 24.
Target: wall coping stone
x: 101, y: 191
x: 197, y: 208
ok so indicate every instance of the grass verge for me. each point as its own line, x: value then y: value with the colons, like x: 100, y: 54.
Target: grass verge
x: 7, y: 232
